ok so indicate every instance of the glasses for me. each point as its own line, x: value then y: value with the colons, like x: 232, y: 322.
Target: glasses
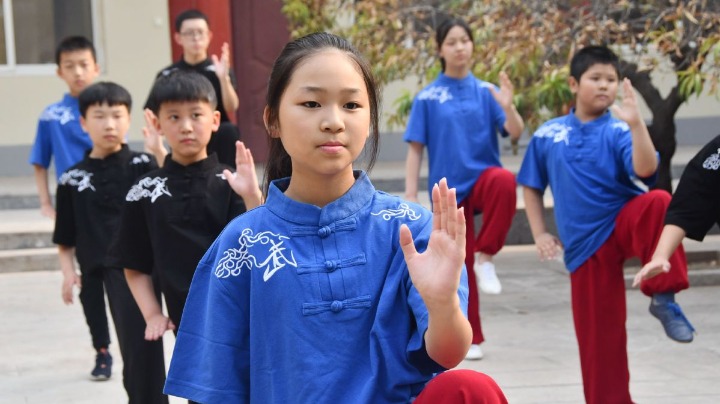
x: 194, y: 34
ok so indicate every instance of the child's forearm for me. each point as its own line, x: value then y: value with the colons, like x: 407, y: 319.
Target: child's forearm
x: 514, y: 124
x: 534, y: 208
x: 449, y: 335
x: 230, y: 100
x: 141, y: 287
x: 670, y: 239
x: 412, y: 170
x: 43, y: 187
x: 66, y: 256
x: 644, y: 159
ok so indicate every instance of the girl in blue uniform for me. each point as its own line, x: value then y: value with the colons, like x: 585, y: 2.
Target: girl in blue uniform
x: 458, y: 118
x: 320, y: 295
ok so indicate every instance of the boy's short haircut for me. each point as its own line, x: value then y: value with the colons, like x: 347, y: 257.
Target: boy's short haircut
x: 592, y: 55
x: 191, y: 14
x: 72, y: 44
x: 181, y: 86
x: 104, y: 92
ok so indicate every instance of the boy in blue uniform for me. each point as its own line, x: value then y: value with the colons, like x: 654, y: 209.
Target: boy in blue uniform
x: 90, y: 196
x: 590, y: 160
x: 59, y: 134
x: 173, y: 214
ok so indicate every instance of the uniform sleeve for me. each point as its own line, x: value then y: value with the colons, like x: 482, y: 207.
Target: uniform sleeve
x: 132, y: 244
x: 416, y: 130
x: 41, y: 152
x: 533, y: 171
x: 64, y: 233
x: 416, y: 349
x: 695, y: 206
x: 211, y: 360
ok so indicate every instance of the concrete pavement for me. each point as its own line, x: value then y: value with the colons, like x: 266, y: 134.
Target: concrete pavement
x: 45, y: 353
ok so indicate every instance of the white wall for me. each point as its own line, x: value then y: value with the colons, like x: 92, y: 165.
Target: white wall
x: 133, y: 41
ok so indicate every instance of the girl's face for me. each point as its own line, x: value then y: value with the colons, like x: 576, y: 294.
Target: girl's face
x: 457, y: 49
x: 324, y: 116
x: 596, y: 90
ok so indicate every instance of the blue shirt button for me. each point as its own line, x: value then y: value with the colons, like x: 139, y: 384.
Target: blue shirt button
x: 329, y: 265
x: 336, y: 306
x: 324, y: 232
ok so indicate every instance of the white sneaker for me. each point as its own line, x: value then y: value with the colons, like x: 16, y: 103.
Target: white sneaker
x: 474, y: 353
x: 489, y: 282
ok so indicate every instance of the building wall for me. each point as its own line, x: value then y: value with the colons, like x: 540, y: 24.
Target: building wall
x: 133, y: 45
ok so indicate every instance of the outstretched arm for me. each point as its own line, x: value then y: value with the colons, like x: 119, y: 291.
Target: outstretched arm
x: 436, y: 275
x: 548, y: 246
x: 514, y: 124
x: 643, y: 154
x: 670, y: 239
x: 244, y: 180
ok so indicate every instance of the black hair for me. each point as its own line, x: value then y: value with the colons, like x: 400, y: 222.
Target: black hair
x: 72, y: 44
x: 444, y: 28
x: 279, y: 164
x: 191, y: 14
x: 104, y: 92
x: 181, y: 86
x: 592, y: 55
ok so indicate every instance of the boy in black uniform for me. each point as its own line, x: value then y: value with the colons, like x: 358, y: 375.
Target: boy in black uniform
x: 693, y: 210
x: 192, y: 33
x: 172, y: 215
x: 89, y: 200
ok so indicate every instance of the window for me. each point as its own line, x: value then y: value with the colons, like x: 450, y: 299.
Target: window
x: 30, y: 30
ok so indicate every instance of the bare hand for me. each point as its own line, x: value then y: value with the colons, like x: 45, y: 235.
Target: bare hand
x: 156, y: 327
x: 47, y: 210
x: 244, y: 180
x: 653, y: 268
x: 504, y: 97
x: 436, y: 272
x: 548, y: 246
x: 222, y: 65
x: 628, y: 110
x: 69, y: 282
x: 153, y: 141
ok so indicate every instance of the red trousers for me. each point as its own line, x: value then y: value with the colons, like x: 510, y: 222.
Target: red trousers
x: 461, y: 386
x: 598, y: 296
x: 495, y: 196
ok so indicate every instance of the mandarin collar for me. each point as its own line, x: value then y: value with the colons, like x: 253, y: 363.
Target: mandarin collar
x: 447, y: 80
x: 204, y: 63
x: 70, y: 100
x: 358, y: 196
x: 601, y: 120
x: 205, y: 164
x: 120, y: 155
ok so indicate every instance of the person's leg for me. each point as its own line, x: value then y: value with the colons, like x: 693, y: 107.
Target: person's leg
x: 92, y: 298
x: 638, y: 227
x: 473, y: 297
x: 495, y: 195
x: 599, y: 314
x: 461, y: 386
x: 143, y: 361
x: 222, y: 142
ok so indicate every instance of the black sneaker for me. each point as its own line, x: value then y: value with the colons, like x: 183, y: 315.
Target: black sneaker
x: 103, y: 366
